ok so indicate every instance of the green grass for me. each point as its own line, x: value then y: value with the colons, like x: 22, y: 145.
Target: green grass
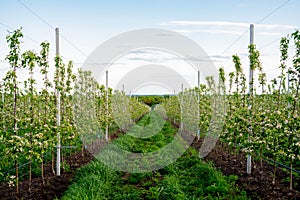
x: 153, y: 121
x: 187, y: 178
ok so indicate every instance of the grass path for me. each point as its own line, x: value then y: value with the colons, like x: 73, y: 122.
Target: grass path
x: 187, y: 178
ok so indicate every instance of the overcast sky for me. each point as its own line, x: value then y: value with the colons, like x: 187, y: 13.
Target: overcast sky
x: 214, y: 25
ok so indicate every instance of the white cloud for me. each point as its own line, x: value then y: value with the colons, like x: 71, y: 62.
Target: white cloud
x: 229, y: 32
x: 276, y: 26
x: 270, y: 33
x: 209, y: 31
x: 229, y: 28
x: 242, y: 5
x: 227, y: 24
x: 205, y: 23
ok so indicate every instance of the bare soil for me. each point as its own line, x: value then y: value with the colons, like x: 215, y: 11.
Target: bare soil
x: 258, y: 184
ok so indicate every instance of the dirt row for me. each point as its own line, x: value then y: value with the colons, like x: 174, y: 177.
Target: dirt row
x: 54, y: 185
x: 258, y: 185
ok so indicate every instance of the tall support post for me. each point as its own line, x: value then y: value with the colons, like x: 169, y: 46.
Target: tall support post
x: 58, y: 111
x: 289, y: 115
x: 288, y: 85
x: 198, y: 104
x: 198, y: 78
x: 250, y: 96
x: 106, y: 113
x: 181, y: 109
x: 174, y: 117
x: 2, y: 88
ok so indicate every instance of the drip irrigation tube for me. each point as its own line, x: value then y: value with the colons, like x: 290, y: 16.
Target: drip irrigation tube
x: 285, y: 166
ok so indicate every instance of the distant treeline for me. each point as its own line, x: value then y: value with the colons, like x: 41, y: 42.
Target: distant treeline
x: 151, y: 100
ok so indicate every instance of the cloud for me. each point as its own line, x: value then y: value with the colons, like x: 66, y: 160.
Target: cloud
x: 269, y: 33
x: 242, y: 5
x: 218, y: 24
x: 276, y: 26
x: 225, y: 57
x: 229, y: 28
x: 229, y: 32
x: 209, y: 31
x: 205, y: 23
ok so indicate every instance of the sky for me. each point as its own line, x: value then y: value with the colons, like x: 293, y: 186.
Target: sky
x: 214, y: 25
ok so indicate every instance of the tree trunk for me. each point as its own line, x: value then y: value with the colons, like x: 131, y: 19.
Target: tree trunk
x: 17, y: 176
x: 30, y: 177
x: 291, y: 176
x: 52, y: 164
x: 274, y: 174
x: 42, y: 168
x: 82, y: 150
x: 261, y: 161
